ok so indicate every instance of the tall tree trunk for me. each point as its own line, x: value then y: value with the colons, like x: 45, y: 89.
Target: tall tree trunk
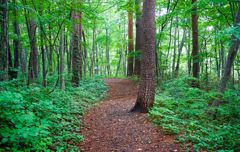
x: 34, y: 50
x: 130, y: 38
x: 122, y: 53
x: 93, y: 51
x: 16, y: 42
x: 85, y: 55
x: 76, y: 59
x: 43, y: 57
x: 119, y: 62
x: 217, y: 65
x: 4, y: 41
x: 180, y: 50
x: 175, y: 47
x: 195, y: 51
x: 146, y: 91
x: 188, y: 54
x: 107, y: 53
x: 50, y: 66
x: 61, y: 52
x: 170, y: 40
x: 138, y: 45
x: 232, y: 53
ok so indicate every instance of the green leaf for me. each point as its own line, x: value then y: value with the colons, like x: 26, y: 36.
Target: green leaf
x: 4, y: 140
x: 5, y: 134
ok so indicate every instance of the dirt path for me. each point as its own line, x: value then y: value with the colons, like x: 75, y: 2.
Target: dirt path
x: 111, y: 127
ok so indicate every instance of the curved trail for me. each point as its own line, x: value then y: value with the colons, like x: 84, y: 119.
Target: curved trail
x: 111, y: 127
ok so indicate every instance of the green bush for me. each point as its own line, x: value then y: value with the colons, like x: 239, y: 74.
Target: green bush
x: 180, y: 109
x: 32, y: 120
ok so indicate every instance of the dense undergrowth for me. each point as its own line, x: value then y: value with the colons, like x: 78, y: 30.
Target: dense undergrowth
x: 31, y: 120
x: 180, y: 109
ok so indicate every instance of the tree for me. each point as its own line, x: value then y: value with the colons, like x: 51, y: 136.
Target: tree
x: 146, y: 90
x: 76, y: 61
x: 4, y: 41
x: 232, y: 53
x: 130, y: 39
x: 195, y: 50
x: 138, y: 46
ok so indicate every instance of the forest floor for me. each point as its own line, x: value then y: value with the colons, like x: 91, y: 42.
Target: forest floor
x: 111, y: 127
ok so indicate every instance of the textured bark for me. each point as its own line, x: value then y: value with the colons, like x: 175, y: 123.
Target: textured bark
x: 122, y: 53
x: 76, y: 60
x: 180, y: 50
x: 130, y: 38
x: 232, y: 53
x: 170, y: 40
x: 107, y: 53
x: 85, y: 55
x: 43, y: 58
x: 93, y: 50
x: 175, y: 47
x: 138, y: 45
x: 61, y: 52
x: 16, y: 42
x: 195, y: 51
x: 34, y: 50
x: 4, y: 41
x: 146, y: 90
x: 50, y: 52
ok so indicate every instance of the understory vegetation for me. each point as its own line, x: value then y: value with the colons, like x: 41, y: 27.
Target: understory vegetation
x: 37, y: 120
x: 180, y: 109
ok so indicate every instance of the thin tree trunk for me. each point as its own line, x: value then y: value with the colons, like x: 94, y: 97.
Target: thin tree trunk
x: 93, y: 51
x: 130, y: 39
x: 138, y: 45
x: 16, y: 42
x: 4, y: 41
x: 85, y: 55
x: 170, y: 40
x: 61, y: 52
x: 34, y: 50
x: 122, y: 53
x: 195, y: 51
x: 107, y: 53
x: 180, y: 50
x: 174, y: 51
x: 232, y: 53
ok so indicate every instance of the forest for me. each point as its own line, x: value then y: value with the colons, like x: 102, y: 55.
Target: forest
x: 106, y: 75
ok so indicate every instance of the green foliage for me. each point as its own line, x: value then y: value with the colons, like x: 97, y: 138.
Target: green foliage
x: 180, y: 109
x: 32, y: 120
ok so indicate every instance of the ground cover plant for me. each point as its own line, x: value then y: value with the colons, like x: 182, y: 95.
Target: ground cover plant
x: 32, y: 119
x: 180, y: 109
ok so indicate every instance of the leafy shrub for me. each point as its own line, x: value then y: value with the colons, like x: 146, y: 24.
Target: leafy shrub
x: 180, y: 109
x: 32, y: 120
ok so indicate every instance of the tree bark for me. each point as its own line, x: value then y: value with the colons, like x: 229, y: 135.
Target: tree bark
x: 76, y: 61
x: 4, y: 41
x: 85, y: 55
x: 195, y: 51
x: 180, y: 50
x: 34, y: 50
x: 61, y: 52
x: 122, y: 53
x: 16, y: 42
x: 138, y: 45
x: 107, y: 53
x: 146, y: 90
x: 93, y: 51
x: 130, y: 38
x: 232, y: 53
